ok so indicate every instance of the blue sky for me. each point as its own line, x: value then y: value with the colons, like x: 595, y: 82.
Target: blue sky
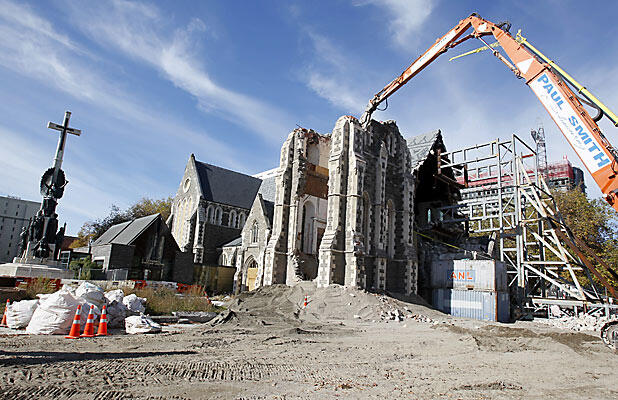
x: 150, y: 83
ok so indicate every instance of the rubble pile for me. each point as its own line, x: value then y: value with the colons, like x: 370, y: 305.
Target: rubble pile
x: 579, y: 323
x: 400, y: 316
x: 582, y: 323
x: 391, y: 312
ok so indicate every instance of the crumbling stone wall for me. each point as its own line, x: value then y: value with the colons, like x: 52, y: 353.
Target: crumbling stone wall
x: 368, y: 241
x: 297, y: 177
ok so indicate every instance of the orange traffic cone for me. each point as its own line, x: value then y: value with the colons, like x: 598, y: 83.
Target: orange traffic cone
x: 74, y: 334
x: 103, y: 323
x: 3, y: 323
x: 207, y: 298
x: 89, y: 328
x: 305, y: 303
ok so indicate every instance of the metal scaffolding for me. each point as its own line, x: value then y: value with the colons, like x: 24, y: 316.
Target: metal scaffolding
x: 505, y: 197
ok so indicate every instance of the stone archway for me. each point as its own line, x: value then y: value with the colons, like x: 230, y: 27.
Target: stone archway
x: 251, y: 270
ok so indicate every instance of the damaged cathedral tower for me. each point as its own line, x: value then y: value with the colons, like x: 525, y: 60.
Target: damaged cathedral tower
x: 345, y: 207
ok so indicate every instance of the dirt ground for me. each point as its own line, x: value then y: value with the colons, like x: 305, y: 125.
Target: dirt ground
x: 342, y: 345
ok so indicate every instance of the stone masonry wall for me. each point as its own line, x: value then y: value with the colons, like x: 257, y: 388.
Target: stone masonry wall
x: 368, y: 238
x: 368, y: 241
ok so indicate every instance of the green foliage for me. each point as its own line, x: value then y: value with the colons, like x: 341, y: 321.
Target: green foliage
x: 595, y: 223
x: 91, y: 230
x: 148, y: 206
x: 84, y: 268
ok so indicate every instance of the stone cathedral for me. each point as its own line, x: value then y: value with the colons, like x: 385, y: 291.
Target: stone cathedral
x: 342, y: 208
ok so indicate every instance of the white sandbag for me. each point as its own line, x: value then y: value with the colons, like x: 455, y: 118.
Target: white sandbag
x: 134, y: 304
x: 54, y: 315
x: 91, y: 293
x: 69, y: 288
x: 116, y: 310
x: 114, y: 295
x: 116, y: 313
x: 43, y: 296
x: 19, y: 314
x: 140, y: 324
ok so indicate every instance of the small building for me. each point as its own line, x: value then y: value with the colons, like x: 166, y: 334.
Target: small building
x: 210, y: 209
x: 15, y: 215
x: 143, y: 248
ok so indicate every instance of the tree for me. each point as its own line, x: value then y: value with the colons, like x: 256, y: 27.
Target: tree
x: 594, y: 222
x: 85, y: 268
x: 149, y: 206
x: 91, y: 230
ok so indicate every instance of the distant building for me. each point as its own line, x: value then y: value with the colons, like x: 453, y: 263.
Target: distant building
x: 142, y: 248
x: 67, y: 254
x: 563, y: 176
x: 15, y: 214
x: 560, y: 175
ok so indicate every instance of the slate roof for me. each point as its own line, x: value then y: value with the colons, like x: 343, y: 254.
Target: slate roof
x: 126, y: 232
x: 268, y: 189
x: 111, y: 233
x: 420, y: 146
x: 225, y: 186
x: 234, y: 243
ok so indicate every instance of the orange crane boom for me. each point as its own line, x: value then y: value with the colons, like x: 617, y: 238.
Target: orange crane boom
x: 562, y: 104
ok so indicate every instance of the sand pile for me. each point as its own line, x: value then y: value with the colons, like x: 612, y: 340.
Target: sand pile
x: 331, y: 304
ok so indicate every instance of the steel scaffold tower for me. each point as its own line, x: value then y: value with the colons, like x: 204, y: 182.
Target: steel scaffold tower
x: 504, y: 196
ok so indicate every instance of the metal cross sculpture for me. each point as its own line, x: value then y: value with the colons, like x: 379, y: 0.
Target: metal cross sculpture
x: 42, y: 230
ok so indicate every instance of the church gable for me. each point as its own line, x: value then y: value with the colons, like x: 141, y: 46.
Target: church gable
x: 258, y: 216
x: 185, y: 203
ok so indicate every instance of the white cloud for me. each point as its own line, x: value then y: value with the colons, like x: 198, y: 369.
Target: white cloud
x: 404, y: 18
x: 334, y: 75
x: 140, y: 31
x: 339, y: 76
x: 35, y: 50
x: 335, y: 91
x: 31, y: 47
x: 24, y: 16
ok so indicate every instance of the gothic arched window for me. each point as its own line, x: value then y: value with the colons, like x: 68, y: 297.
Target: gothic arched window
x: 218, y: 215
x: 254, y: 232
x: 232, y: 223
x: 210, y: 214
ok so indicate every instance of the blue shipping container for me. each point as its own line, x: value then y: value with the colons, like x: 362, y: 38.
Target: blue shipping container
x: 481, y: 305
